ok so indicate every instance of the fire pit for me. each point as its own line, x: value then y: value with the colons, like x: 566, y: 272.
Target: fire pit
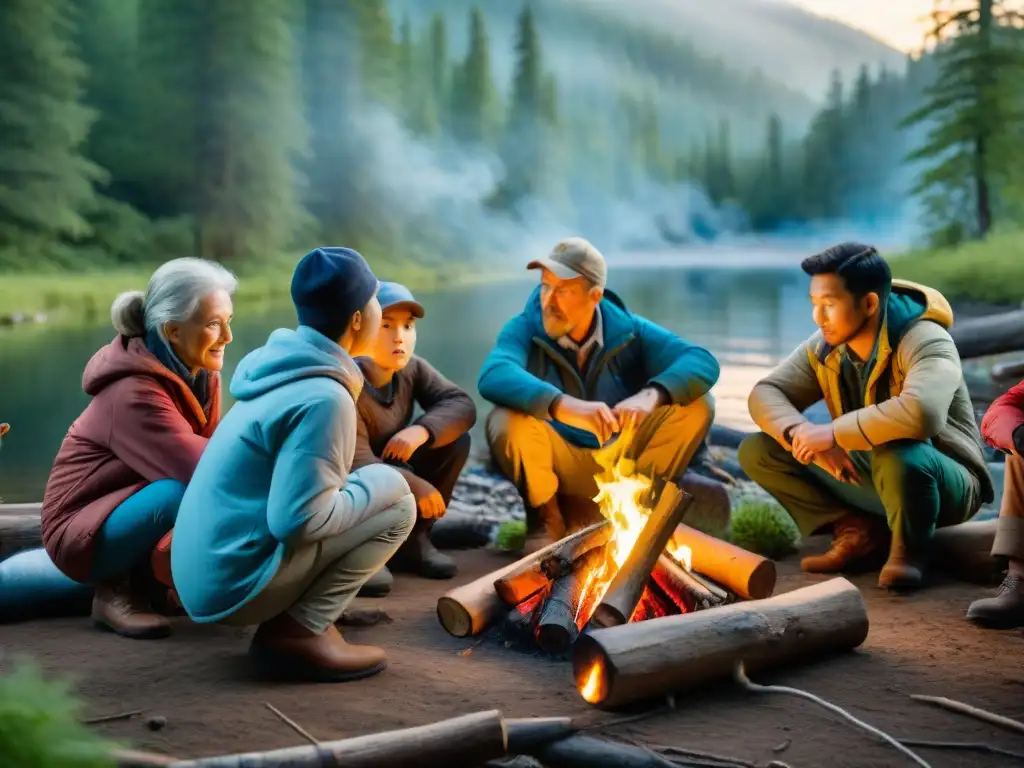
x: 638, y: 563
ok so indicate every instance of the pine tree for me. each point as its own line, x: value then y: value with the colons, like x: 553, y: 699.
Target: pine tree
x: 378, y: 52
x: 438, y: 58
x: 975, y: 107
x: 475, y: 100
x: 46, y: 184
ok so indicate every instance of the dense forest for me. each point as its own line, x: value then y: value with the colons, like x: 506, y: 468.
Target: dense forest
x: 137, y: 130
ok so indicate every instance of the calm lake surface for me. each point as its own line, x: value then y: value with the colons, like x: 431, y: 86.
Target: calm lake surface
x: 749, y: 316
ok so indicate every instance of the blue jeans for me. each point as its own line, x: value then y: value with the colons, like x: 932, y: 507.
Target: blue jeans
x: 31, y: 584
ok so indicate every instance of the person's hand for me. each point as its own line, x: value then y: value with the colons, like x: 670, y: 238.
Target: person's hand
x: 596, y: 418
x: 404, y: 444
x: 838, y: 463
x: 431, y: 506
x: 811, y: 439
x: 634, y: 409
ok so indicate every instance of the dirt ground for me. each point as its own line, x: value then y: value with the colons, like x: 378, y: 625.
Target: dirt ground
x: 200, y: 681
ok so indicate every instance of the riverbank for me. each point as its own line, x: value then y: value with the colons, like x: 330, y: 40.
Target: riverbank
x: 84, y: 298
x: 989, y: 272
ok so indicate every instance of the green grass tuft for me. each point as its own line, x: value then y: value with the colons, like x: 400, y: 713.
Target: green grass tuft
x: 511, y: 535
x: 762, y: 526
x: 39, y: 726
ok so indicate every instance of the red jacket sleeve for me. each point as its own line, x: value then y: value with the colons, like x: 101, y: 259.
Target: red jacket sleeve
x: 149, y: 434
x: 1003, y: 417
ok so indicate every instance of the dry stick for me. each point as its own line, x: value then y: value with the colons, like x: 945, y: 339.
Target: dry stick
x: 292, y: 724
x: 111, y: 718
x: 966, y: 709
x: 742, y: 679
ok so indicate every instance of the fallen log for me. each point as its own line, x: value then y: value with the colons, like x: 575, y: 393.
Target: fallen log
x: 557, y: 629
x: 1010, y: 372
x: 19, y: 528
x: 627, y: 586
x: 750, y: 576
x: 471, y: 608
x: 648, y: 659
x: 991, y: 335
x: 964, y: 551
x: 587, y: 752
x: 469, y: 740
x: 540, y: 571
x: 674, y: 579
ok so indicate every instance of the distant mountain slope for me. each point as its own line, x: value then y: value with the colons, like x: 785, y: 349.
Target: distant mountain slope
x: 788, y: 43
x: 595, y: 56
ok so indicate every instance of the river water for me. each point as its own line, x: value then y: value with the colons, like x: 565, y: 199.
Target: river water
x: 748, y: 313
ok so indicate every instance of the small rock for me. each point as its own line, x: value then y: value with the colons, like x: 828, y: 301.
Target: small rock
x: 156, y: 722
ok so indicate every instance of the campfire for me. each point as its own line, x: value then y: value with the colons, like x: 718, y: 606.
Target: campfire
x: 637, y: 564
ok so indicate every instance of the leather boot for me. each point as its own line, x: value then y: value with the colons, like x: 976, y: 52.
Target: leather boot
x: 419, y: 555
x: 282, y: 645
x: 854, y: 538
x: 544, y: 525
x: 903, y: 570
x: 378, y: 585
x: 1005, y: 610
x: 122, y: 608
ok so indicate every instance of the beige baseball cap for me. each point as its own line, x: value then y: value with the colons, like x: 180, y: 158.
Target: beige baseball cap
x: 574, y: 257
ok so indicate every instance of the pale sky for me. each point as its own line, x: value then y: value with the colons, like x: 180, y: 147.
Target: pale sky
x: 896, y: 22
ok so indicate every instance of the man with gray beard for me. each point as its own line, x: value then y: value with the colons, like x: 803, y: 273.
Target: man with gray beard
x: 570, y: 372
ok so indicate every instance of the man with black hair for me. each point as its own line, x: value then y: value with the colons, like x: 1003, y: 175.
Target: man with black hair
x: 902, y: 445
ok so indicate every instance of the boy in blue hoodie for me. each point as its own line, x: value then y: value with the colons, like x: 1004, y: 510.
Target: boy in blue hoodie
x: 274, y: 529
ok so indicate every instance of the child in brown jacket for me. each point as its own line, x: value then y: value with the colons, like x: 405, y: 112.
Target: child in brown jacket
x: 430, y: 450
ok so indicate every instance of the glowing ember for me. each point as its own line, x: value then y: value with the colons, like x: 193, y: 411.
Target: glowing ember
x: 683, y: 554
x: 591, y: 688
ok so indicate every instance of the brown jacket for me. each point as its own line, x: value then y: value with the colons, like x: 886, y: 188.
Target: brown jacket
x: 448, y: 413
x: 927, y: 396
x: 143, y: 424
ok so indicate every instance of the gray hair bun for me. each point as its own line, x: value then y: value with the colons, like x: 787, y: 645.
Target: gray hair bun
x: 128, y: 315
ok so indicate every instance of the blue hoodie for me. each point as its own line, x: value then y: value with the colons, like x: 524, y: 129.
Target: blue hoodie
x: 272, y: 470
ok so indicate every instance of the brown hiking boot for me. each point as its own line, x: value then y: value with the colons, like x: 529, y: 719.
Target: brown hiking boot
x: 544, y: 526
x: 1005, y: 610
x: 419, y: 555
x: 903, y: 570
x: 282, y: 645
x: 854, y: 538
x: 120, y: 607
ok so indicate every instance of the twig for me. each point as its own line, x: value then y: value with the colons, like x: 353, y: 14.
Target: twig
x: 292, y: 724
x: 111, y: 718
x: 966, y: 709
x: 973, y: 746
x: 696, y: 753
x: 742, y: 679
x: 133, y: 758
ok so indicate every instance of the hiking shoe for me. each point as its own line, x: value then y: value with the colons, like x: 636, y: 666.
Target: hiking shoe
x: 418, y: 555
x: 903, y: 570
x: 855, y: 538
x: 119, y: 607
x: 1005, y: 610
x: 284, y: 647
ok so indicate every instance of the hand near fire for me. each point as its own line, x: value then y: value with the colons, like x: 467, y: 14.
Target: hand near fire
x: 403, y: 445
x: 634, y: 409
x: 431, y: 506
x: 838, y: 463
x: 596, y: 418
x: 811, y: 439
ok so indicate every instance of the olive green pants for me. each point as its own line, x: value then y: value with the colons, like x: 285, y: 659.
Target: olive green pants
x: 911, y: 484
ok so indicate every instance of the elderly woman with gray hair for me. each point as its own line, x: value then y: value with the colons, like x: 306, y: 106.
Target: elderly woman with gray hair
x: 121, y: 471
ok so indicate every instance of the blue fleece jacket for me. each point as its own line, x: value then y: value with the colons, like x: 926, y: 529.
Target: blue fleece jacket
x: 276, y: 465
x: 527, y: 370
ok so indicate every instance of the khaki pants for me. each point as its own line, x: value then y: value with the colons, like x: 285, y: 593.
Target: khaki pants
x: 541, y: 463
x: 1009, y: 541
x: 316, y: 582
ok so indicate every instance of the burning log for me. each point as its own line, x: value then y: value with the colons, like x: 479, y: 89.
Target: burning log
x: 965, y: 551
x: 674, y: 579
x: 750, y: 576
x: 471, y: 608
x: 547, y: 566
x: 521, y: 622
x: 647, y: 659
x: 627, y: 587
x: 557, y: 629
